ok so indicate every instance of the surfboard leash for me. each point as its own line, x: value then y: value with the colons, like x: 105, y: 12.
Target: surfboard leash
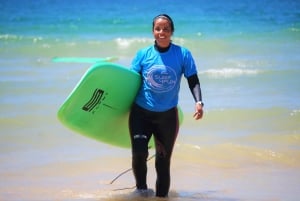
x: 124, y: 172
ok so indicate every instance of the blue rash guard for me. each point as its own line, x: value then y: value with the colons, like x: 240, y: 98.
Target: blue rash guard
x: 161, y: 74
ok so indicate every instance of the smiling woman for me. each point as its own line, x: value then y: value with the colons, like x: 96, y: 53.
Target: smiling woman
x: 155, y: 110
x: 163, y: 29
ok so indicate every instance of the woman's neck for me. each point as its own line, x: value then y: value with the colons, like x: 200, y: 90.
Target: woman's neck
x: 161, y: 49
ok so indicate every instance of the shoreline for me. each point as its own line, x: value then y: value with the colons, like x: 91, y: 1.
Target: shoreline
x: 191, y: 180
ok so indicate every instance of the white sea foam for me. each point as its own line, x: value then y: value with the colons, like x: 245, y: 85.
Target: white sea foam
x: 9, y: 37
x: 124, y: 43
x: 230, y: 72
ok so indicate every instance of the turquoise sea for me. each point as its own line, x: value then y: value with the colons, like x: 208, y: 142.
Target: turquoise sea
x: 247, y: 146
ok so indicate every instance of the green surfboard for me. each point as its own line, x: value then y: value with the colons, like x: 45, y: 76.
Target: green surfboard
x: 98, y: 107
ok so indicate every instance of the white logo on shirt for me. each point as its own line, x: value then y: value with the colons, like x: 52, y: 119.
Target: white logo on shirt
x: 161, y: 78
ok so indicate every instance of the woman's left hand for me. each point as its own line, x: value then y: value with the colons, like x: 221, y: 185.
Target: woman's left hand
x: 199, y: 111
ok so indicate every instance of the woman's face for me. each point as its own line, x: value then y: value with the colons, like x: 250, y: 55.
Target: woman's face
x: 162, y: 32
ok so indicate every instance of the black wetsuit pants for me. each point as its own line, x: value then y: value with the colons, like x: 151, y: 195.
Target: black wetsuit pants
x: 164, y: 127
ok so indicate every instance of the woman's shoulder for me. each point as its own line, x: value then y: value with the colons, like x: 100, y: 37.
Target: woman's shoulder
x: 180, y: 48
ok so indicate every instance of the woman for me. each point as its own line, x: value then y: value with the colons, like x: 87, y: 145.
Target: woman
x: 155, y: 109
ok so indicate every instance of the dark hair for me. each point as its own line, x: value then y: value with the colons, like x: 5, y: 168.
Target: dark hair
x: 164, y: 16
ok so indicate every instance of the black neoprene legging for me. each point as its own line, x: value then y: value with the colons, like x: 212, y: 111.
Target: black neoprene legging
x: 164, y: 127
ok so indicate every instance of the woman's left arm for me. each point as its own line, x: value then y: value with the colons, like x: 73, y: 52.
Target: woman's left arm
x: 195, y: 88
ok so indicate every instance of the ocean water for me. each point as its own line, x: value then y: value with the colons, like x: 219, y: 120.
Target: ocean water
x: 247, y: 146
